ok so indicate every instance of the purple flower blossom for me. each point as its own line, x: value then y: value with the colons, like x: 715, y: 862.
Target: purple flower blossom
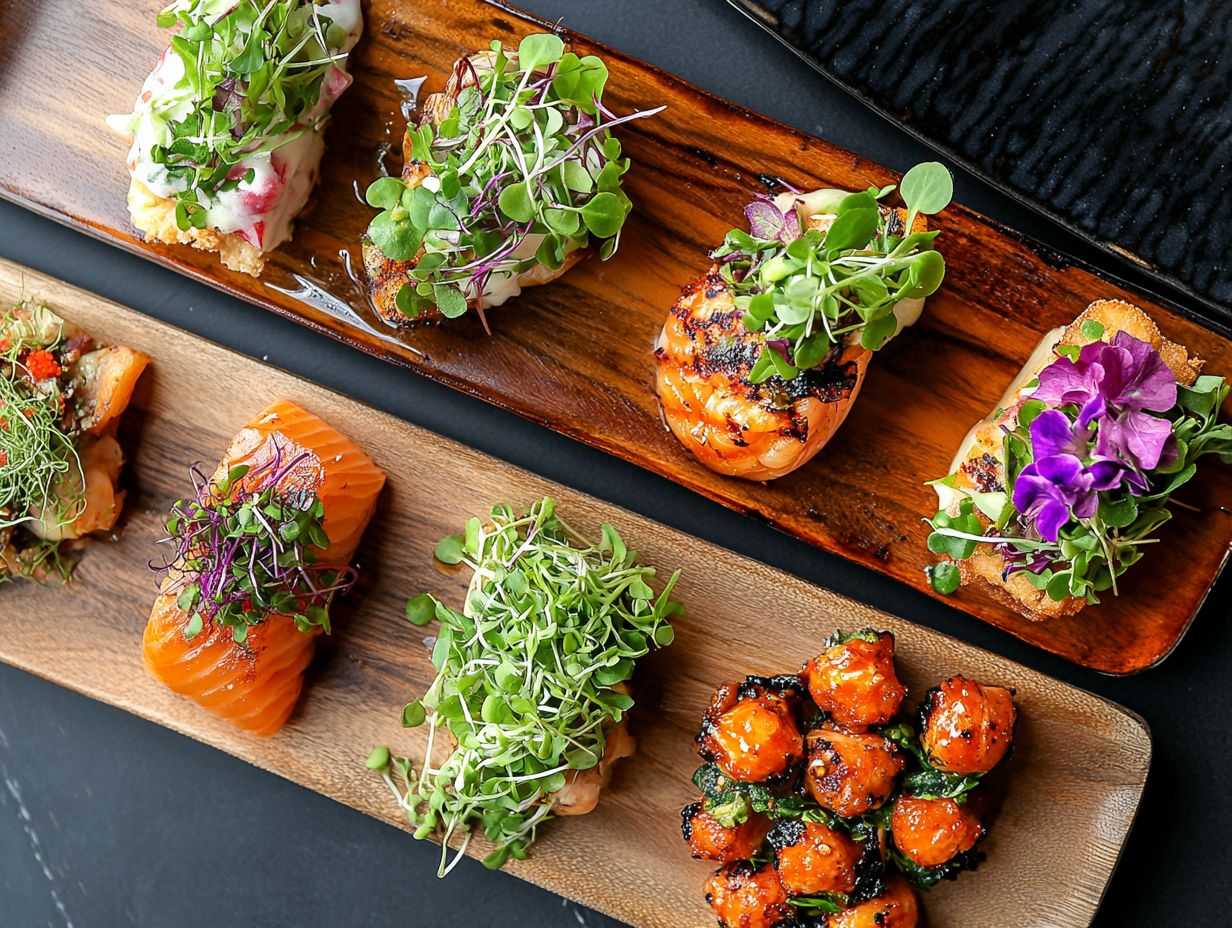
x: 1126, y: 376
x: 1053, y: 433
x: 1052, y: 490
x: 1118, y: 386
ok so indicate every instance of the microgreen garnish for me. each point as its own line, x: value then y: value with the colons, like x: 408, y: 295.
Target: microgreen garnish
x: 38, y: 453
x: 257, y: 74
x: 530, y: 676
x: 1091, y: 459
x: 523, y: 172
x: 807, y: 290
x: 247, y: 547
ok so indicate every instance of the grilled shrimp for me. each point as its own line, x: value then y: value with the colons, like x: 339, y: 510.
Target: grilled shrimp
x: 705, y: 353
x: 933, y: 831
x: 710, y: 839
x: 811, y: 858
x: 748, y: 895
x: 897, y: 907
x: 967, y: 727
x: 851, y: 774
x: 750, y: 730
x: 855, y: 681
x: 741, y: 429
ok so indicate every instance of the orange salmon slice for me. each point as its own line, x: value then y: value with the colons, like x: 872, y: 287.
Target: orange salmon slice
x: 256, y: 686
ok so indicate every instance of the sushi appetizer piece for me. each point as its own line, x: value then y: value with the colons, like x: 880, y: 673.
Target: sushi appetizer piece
x: 760, y: 360
x: 532, y: 691
x: 1065, y: 485
x: 61, y: 398
x: 258, y: 553
x: 510, y: 174
x: 228, y: 130
x: 825, y: 803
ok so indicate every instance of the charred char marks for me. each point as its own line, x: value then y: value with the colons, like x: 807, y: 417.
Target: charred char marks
x: 687, y: 815
x: 985, y: 473
x: 786, y: 685
x: 828, y: 382
x: 785, y: 834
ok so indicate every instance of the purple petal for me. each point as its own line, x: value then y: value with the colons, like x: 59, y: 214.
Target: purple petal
x: 1092, y: 409
x: 1049, y: 519
x: 1062, y: 470
x: 1137, y: 438
x: 1063, y: 382
x: 1106, y: 475
x: 766, y: 220
x: 1052, y: 433
x: 1146, y: 382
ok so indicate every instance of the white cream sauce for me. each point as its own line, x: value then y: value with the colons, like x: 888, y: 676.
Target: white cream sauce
x: 260, y: 208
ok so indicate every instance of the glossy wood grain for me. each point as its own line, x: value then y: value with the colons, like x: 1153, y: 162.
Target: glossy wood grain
x: 1070, y: 791
x: 576, y: 356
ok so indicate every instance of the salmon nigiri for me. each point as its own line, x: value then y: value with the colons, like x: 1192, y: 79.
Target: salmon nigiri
x: 264, y: 544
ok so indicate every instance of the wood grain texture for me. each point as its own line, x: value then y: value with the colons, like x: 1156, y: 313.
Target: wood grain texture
x: 576, y: 356
x: 1071, y: 788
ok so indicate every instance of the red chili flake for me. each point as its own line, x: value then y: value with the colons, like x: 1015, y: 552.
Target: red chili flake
x: 4, y: 344
x: 4, y: 458
x: 42, y: 364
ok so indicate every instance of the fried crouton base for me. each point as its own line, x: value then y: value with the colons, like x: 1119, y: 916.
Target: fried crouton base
x: 155, y: 216
x: 985, y: 567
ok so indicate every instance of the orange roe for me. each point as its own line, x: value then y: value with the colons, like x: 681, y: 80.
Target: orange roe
x: 42, y: 364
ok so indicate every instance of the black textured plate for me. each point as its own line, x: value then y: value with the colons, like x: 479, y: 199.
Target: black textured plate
x: 1111, y: 117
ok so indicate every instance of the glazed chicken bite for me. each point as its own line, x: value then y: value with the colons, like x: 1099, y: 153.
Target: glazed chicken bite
x: 750, y: 730
x: 897, y: 907
x: 967, y: 728
x: 934, y: 831
x: 851, y: 774
x: 748, y: 895
x: 855, y: 682
x: 812, y: 858
x: 710, y: 839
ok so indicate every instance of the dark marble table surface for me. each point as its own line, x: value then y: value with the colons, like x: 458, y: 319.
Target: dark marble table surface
x: 106, y: 820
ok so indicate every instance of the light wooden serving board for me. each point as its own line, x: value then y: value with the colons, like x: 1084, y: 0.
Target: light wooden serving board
x: 1072, y: 787
x: 576, y: 356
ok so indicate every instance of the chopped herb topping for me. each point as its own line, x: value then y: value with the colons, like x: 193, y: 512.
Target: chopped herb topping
x: 530, y: 675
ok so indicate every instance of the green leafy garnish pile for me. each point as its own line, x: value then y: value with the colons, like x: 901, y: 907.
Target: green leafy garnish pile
x: 530, y: 675
x: 807, y: 291
x: 523, y: 172
x: 253, y: 73
x: 38, y: 442
x: 247, y: 548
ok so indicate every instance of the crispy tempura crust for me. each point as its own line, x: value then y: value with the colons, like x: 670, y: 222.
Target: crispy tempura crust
x: 155, y: 216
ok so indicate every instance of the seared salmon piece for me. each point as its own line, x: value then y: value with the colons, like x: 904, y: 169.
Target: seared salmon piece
x: 255, y: 685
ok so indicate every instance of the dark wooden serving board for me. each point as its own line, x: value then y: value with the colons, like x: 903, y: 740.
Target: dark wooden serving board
x: 1070, y: 791
x: 576, y: 356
